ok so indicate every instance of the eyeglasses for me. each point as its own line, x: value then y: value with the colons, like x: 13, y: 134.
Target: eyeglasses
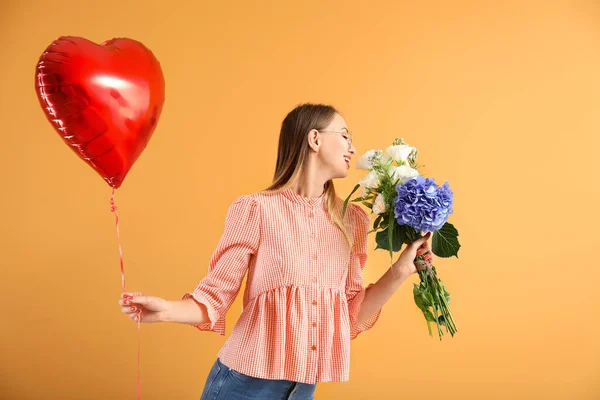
x: 346, y: 135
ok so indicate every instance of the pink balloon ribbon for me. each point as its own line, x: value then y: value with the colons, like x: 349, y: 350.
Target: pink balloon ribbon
x: 113, y: 209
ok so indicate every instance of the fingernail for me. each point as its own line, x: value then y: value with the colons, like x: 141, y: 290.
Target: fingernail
x: 133, y: 308
x: 126, y: 302
x: 139, y: 311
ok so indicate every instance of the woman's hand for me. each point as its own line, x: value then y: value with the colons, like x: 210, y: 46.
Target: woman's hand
x: 406, y: 261
x: 151, y: 308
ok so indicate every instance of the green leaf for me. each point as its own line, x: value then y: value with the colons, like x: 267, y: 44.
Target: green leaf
x: 409, y: 234
x: 356, y: 200
x: 429, y: 316
x: 383, y: 240
x: 368, y: 205
x: 377, y: 221
x: 444, y: 242
x: 348, y: 198
x: 445, y: 292
x: 441, y: 320
x: 384, y: 221
x: 420, y: 296
x: 430, y: 298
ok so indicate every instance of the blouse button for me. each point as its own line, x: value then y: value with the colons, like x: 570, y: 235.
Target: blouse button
x: 311, y: 214
x: 314, y: 347
x: 315, y: 257
x: 314, y: 303
x: 314, y: 324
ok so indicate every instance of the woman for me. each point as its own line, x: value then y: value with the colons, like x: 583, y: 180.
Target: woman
x: 304, y: 298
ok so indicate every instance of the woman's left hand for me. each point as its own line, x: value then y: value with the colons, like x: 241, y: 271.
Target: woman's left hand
x: 406, y: 261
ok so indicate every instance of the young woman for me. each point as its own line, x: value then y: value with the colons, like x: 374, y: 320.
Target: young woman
x: 304, y: 298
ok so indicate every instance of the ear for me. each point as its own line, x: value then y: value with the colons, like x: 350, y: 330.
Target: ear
x: 314, y: 141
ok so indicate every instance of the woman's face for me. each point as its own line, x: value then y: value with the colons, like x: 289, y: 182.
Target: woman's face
x: 335, y: 150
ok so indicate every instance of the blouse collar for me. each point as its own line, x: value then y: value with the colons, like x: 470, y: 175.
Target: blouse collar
x: 308, y: 201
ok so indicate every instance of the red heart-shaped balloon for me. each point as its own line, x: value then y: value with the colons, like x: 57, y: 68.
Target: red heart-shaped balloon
x: 104, y: 100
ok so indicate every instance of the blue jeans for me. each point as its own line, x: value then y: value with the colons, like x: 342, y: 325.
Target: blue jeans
x: 224, y: 383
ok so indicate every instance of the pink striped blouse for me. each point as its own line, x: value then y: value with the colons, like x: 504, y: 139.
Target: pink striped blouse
x: 303, y: 292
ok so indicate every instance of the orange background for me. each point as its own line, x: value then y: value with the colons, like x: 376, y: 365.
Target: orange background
x: 502, y: 100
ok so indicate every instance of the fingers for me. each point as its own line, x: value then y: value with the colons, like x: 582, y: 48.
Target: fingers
x: 423, y: 241
x: 134, y: 297
x: 130, y: 310
x: 135, y: 316
x: 130, y: 295
x: 129, y: 300
x: 425, y: 237
x: 424, y: 248
x: 130, y: 304
x: 142, y: 299
x: 426, y: 255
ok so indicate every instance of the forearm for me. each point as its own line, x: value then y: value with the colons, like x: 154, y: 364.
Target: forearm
x: 186, y: 311
x: 378, y: 294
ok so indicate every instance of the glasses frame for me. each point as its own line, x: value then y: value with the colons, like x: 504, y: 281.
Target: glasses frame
x: 348, y: 139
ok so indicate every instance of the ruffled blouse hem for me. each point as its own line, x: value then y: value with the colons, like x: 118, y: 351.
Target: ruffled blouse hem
x: 354, y: 309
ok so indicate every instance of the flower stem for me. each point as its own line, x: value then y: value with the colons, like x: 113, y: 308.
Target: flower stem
x: 450, y: 325
x: 436, y: 295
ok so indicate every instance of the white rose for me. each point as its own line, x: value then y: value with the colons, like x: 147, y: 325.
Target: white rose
x: 379, y: 205
x: 368, y: 160
x: 404, y: 173
x: 399, y: 153
x: 371, y: 180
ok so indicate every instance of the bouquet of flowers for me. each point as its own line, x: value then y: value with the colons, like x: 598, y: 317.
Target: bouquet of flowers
x: 407, y: 204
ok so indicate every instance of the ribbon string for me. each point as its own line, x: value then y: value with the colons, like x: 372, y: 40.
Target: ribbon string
x: 113, y: 209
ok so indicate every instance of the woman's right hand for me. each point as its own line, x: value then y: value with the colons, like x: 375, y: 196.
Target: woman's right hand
x: 151, y: 308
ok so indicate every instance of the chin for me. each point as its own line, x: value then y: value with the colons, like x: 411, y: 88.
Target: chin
x: 337, y: 173
x: 341, y: 174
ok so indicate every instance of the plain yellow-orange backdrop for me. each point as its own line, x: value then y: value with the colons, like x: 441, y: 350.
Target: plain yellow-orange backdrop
x: 502, y: 101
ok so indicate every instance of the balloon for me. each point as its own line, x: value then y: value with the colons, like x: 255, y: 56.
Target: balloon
x: 103, y: 100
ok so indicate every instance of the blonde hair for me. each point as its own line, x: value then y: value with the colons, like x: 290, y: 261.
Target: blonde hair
x: 293, y: 152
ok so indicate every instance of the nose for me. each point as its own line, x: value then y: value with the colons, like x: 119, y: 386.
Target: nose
x: 352, y: 149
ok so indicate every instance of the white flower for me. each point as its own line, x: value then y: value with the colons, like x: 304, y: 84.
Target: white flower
x: 379, y: 205
x: 364, y: 162
x: 404, y: 173
x: 363, y: 191
x: 399, y: 153
x: 368, y: 160
x: 371, y: 180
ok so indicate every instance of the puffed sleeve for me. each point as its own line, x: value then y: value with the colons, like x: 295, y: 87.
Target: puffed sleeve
x: 229, y: 262
x: 355, y: 292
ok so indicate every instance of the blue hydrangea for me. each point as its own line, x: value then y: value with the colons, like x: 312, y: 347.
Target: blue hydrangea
x: 422, y: 204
